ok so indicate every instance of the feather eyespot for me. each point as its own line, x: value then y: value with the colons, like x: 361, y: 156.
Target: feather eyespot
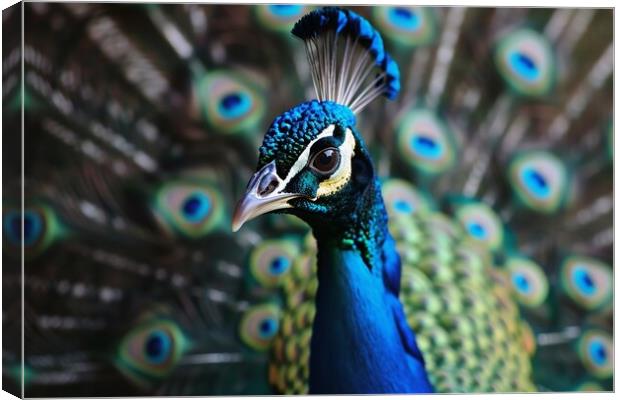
x: 407, y: 27
x: 280, y: 18
x: 425, y: 142
x: 151, y: 350
x: 526, y: 62
x: 540, y: 180
x: 482, y: 224
x: 595, y: 349
x: 259, y: 326
x: 40, y: 229
x: 33, y: 227
x: 587, y: 281
x: 529, y: 282
x: 230, y: 103
x: 402, y: 198
x: 189, y: 209
x: 271, y: 261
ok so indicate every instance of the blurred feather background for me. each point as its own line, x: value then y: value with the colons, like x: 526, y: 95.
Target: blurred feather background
x: 141, y: 128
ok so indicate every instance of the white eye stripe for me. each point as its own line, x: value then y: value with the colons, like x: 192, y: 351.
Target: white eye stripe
x: 336, y: 180
x: 302, y: 161
x: 342, y: 175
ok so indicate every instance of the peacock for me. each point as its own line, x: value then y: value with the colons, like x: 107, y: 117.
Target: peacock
x: 422, y: 199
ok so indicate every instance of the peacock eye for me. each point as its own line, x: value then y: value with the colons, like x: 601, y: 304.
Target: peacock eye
x: 189, y: 209
x: 326, y: 161
x: 151, y: 350
x: 41, y: 228
x: 259, y: 325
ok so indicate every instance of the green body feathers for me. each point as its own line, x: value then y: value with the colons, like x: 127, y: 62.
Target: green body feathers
x: 465, y: 324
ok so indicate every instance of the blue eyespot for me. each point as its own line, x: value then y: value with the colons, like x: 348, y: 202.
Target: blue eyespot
x: 33, y: 227
x: 526, y: 62
x: 528, y: 280
x: 425, y: 142
x: 259, y: 325
x: 584, y: 281
x: 595, y: 348
x: 540, y: 181
x: 189, y: 209
x: 404, y: 18
x: 481, y: 223
x: 426, y: 147
x: 521, y: 283
x: 234, y: 105
x: 402, y: 198
x: 408, y: 27
x: 271, y: 261
x: 477, y: 230
x: 285, y: 10
x: 524, y: 66
x: 597, y: 352
x: 268, y: 328
x: 588, y: 282
x: 403, y: 206
x: 536, y: 183
x: 157, y: 347
x: 279, y: 265
x: 196, y: 207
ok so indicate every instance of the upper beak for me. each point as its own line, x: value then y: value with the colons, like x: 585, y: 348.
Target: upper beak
x: 262, y: 196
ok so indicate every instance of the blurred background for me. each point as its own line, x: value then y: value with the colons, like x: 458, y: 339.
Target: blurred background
x: 142, y: 124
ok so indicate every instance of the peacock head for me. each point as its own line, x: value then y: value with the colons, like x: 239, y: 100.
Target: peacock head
x: 312, y: 163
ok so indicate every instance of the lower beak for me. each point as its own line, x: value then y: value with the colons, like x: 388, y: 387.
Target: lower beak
x: 261, y: 197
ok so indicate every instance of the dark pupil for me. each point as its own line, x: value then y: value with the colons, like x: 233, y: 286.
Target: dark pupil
x: 523, y: 282
x: 426, y: 142
x: 588, y: 281
x: 191, y: 205
x: 16, y: 226
x: 600, y: 352
x: 154, y: 346
x: 265, y: 326
x: 278, y: 264
x: 27, y: 227
x: 526, y: 61
x: 326, y: 160
x: 539, y: 179
x: 231, y: 100
x: 402, y: 12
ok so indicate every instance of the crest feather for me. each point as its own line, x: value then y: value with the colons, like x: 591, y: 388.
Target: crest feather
x: 348, y: 61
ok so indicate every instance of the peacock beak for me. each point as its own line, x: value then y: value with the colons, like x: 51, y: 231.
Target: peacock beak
x: 262, y: 195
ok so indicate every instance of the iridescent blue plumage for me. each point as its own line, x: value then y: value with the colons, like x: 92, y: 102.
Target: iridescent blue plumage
x: 292, y: 130
x: 340, y: 31
x: 361, y: 341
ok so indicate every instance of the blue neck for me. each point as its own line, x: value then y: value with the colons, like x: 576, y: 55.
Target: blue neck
x: 360, y: 341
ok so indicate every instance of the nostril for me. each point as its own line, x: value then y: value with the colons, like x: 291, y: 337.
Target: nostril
x: 267, y: 185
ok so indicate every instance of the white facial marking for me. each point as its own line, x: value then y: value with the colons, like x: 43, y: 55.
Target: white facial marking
x: 341, y: 176
x: 336, y: 180
x: 302, y: 160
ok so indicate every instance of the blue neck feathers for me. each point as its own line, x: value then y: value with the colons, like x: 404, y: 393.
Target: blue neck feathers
x: 361, y: 342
